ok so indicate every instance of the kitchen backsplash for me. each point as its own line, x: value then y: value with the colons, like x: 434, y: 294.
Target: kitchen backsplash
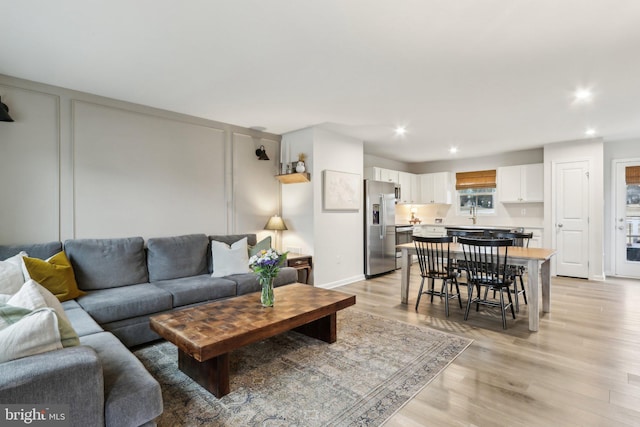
x: 518, y: 214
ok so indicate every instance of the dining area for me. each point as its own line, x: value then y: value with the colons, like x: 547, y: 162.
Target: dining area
x: 498, y: 269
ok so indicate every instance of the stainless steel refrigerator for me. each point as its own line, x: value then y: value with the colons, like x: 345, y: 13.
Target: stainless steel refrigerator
x: 379, y: 227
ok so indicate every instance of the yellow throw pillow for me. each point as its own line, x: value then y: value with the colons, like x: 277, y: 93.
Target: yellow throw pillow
x: 55, y: 274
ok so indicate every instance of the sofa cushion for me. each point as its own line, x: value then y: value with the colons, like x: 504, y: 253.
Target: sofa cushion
x: 82, y: 323
x: 55, y: 274
x: 233, y: 259
x: 108, y: 305
x: 133, y: 331
x: 24, y: 332
x: 229, y: 239
x: 175, y: 257
x: 189, y: 290
x: 262, y: 245
x: 71, y: 304
x: 11, y: 275
x: 33, y: 296
x: 131, y: 395
x: 107, y: 263
x: 38, y: 250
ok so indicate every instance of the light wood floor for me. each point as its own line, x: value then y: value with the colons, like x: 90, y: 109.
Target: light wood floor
x: 582, y: 368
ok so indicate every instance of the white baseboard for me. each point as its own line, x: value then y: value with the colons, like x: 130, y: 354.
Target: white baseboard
x: 341, y: 282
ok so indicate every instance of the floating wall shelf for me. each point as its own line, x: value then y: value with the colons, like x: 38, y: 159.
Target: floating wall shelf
x: 293, y: 178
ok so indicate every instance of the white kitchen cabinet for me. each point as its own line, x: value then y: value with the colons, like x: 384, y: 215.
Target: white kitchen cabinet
x: 389, y: 175
x: 409, y: 188
x: 381, y: 174
x: 521, y: 184
x: 435, y: 188
x: 536, y: 239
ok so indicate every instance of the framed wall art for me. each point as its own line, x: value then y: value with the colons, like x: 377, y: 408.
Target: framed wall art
x: 341, y: 191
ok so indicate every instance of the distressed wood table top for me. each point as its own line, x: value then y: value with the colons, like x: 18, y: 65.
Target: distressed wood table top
x: 215, y: 328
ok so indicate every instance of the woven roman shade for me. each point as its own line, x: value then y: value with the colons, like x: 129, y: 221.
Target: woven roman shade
x: 476, y: 179
x: 632, y: 175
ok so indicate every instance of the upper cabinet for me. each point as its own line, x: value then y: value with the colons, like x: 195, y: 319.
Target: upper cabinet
x: 409, y: 188
x: 521, y: 184
x: 435, y: 188
x: 380, y: 174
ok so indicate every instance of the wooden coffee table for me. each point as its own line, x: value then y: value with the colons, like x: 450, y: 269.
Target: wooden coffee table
x: 206, y: 334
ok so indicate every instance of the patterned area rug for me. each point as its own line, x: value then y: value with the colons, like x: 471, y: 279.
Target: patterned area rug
x: 373, y: 369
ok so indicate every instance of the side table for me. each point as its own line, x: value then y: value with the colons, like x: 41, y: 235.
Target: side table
x: 302, y: 263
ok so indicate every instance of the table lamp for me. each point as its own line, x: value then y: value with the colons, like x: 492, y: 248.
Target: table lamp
x: 276, y: 224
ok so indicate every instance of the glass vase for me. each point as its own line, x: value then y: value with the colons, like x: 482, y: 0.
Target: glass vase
x: 266, y: 296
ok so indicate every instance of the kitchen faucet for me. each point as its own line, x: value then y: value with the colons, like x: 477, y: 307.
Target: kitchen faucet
x: 473, y: 210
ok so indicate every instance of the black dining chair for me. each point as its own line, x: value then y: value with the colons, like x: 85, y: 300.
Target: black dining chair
x: 486, y: 267
x: 436, y: 264
x: 517, y: 271
x: 456, y: 234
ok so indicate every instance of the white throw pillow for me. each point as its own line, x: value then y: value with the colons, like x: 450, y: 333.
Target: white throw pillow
x: 11, y: 276
x: 34, y: 296
x: 229, y: 260
x: 33, y: 334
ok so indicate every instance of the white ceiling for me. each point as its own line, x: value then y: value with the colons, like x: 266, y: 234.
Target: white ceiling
x: 486, y: 76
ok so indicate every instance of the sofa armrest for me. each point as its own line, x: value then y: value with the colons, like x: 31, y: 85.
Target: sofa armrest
x: 70, y: 376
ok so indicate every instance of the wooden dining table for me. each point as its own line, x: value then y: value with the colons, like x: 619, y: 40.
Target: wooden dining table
x: 536, y: 260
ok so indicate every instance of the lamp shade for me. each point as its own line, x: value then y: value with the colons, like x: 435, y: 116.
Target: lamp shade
x: 4, y: 112
x: 275, y: 223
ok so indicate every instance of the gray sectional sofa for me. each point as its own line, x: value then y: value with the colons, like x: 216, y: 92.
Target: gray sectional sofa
x: 125, y: 281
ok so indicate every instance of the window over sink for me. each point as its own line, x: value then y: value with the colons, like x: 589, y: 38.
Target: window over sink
x: 483, y: 199
x: 475, y: 192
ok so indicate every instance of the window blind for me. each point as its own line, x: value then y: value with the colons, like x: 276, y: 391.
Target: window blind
x: 476, y: 179
x: 632, y: 174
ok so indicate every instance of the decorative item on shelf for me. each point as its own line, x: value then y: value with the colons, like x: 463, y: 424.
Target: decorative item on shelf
x: 4, y: 112
x: 289, y: 169
x: 276, y: 223
x: 262, y: 153
x: 300, y: 166
x: 266, y: 264
x: 414, y: 219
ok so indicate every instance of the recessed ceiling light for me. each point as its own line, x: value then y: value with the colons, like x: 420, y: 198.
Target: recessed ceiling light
x: 590, y: 132
x: 453, y: 150
x: 401, y: 130
x: 583, y: 95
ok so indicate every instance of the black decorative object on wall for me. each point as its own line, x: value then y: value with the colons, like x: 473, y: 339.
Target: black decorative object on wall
x: 4, y: 112
x: 262, y: 153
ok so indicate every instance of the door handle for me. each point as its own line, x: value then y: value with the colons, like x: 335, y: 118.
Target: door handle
x: 620, y: 228
x: 383, y: 220
x: 559, y: 225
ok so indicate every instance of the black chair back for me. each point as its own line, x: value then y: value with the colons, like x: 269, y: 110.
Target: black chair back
x: 486, y: 260
x: 456, y: 234
x: 433, y: 256
x: 519, y: 239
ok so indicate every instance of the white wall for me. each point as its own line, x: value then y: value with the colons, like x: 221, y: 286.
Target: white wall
x: 590, y: 150
x: 77, y: 165
x: 511, y: 158
x: 29, y: 166
x: 374, y: 161
x: 614, y: 150
x: 334, y: 238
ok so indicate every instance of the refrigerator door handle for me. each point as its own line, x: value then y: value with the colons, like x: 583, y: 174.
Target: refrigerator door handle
x: 383, y: 212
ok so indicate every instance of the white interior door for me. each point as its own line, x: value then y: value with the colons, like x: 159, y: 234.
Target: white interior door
x: 572, y: 219
x: 627, y: 218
